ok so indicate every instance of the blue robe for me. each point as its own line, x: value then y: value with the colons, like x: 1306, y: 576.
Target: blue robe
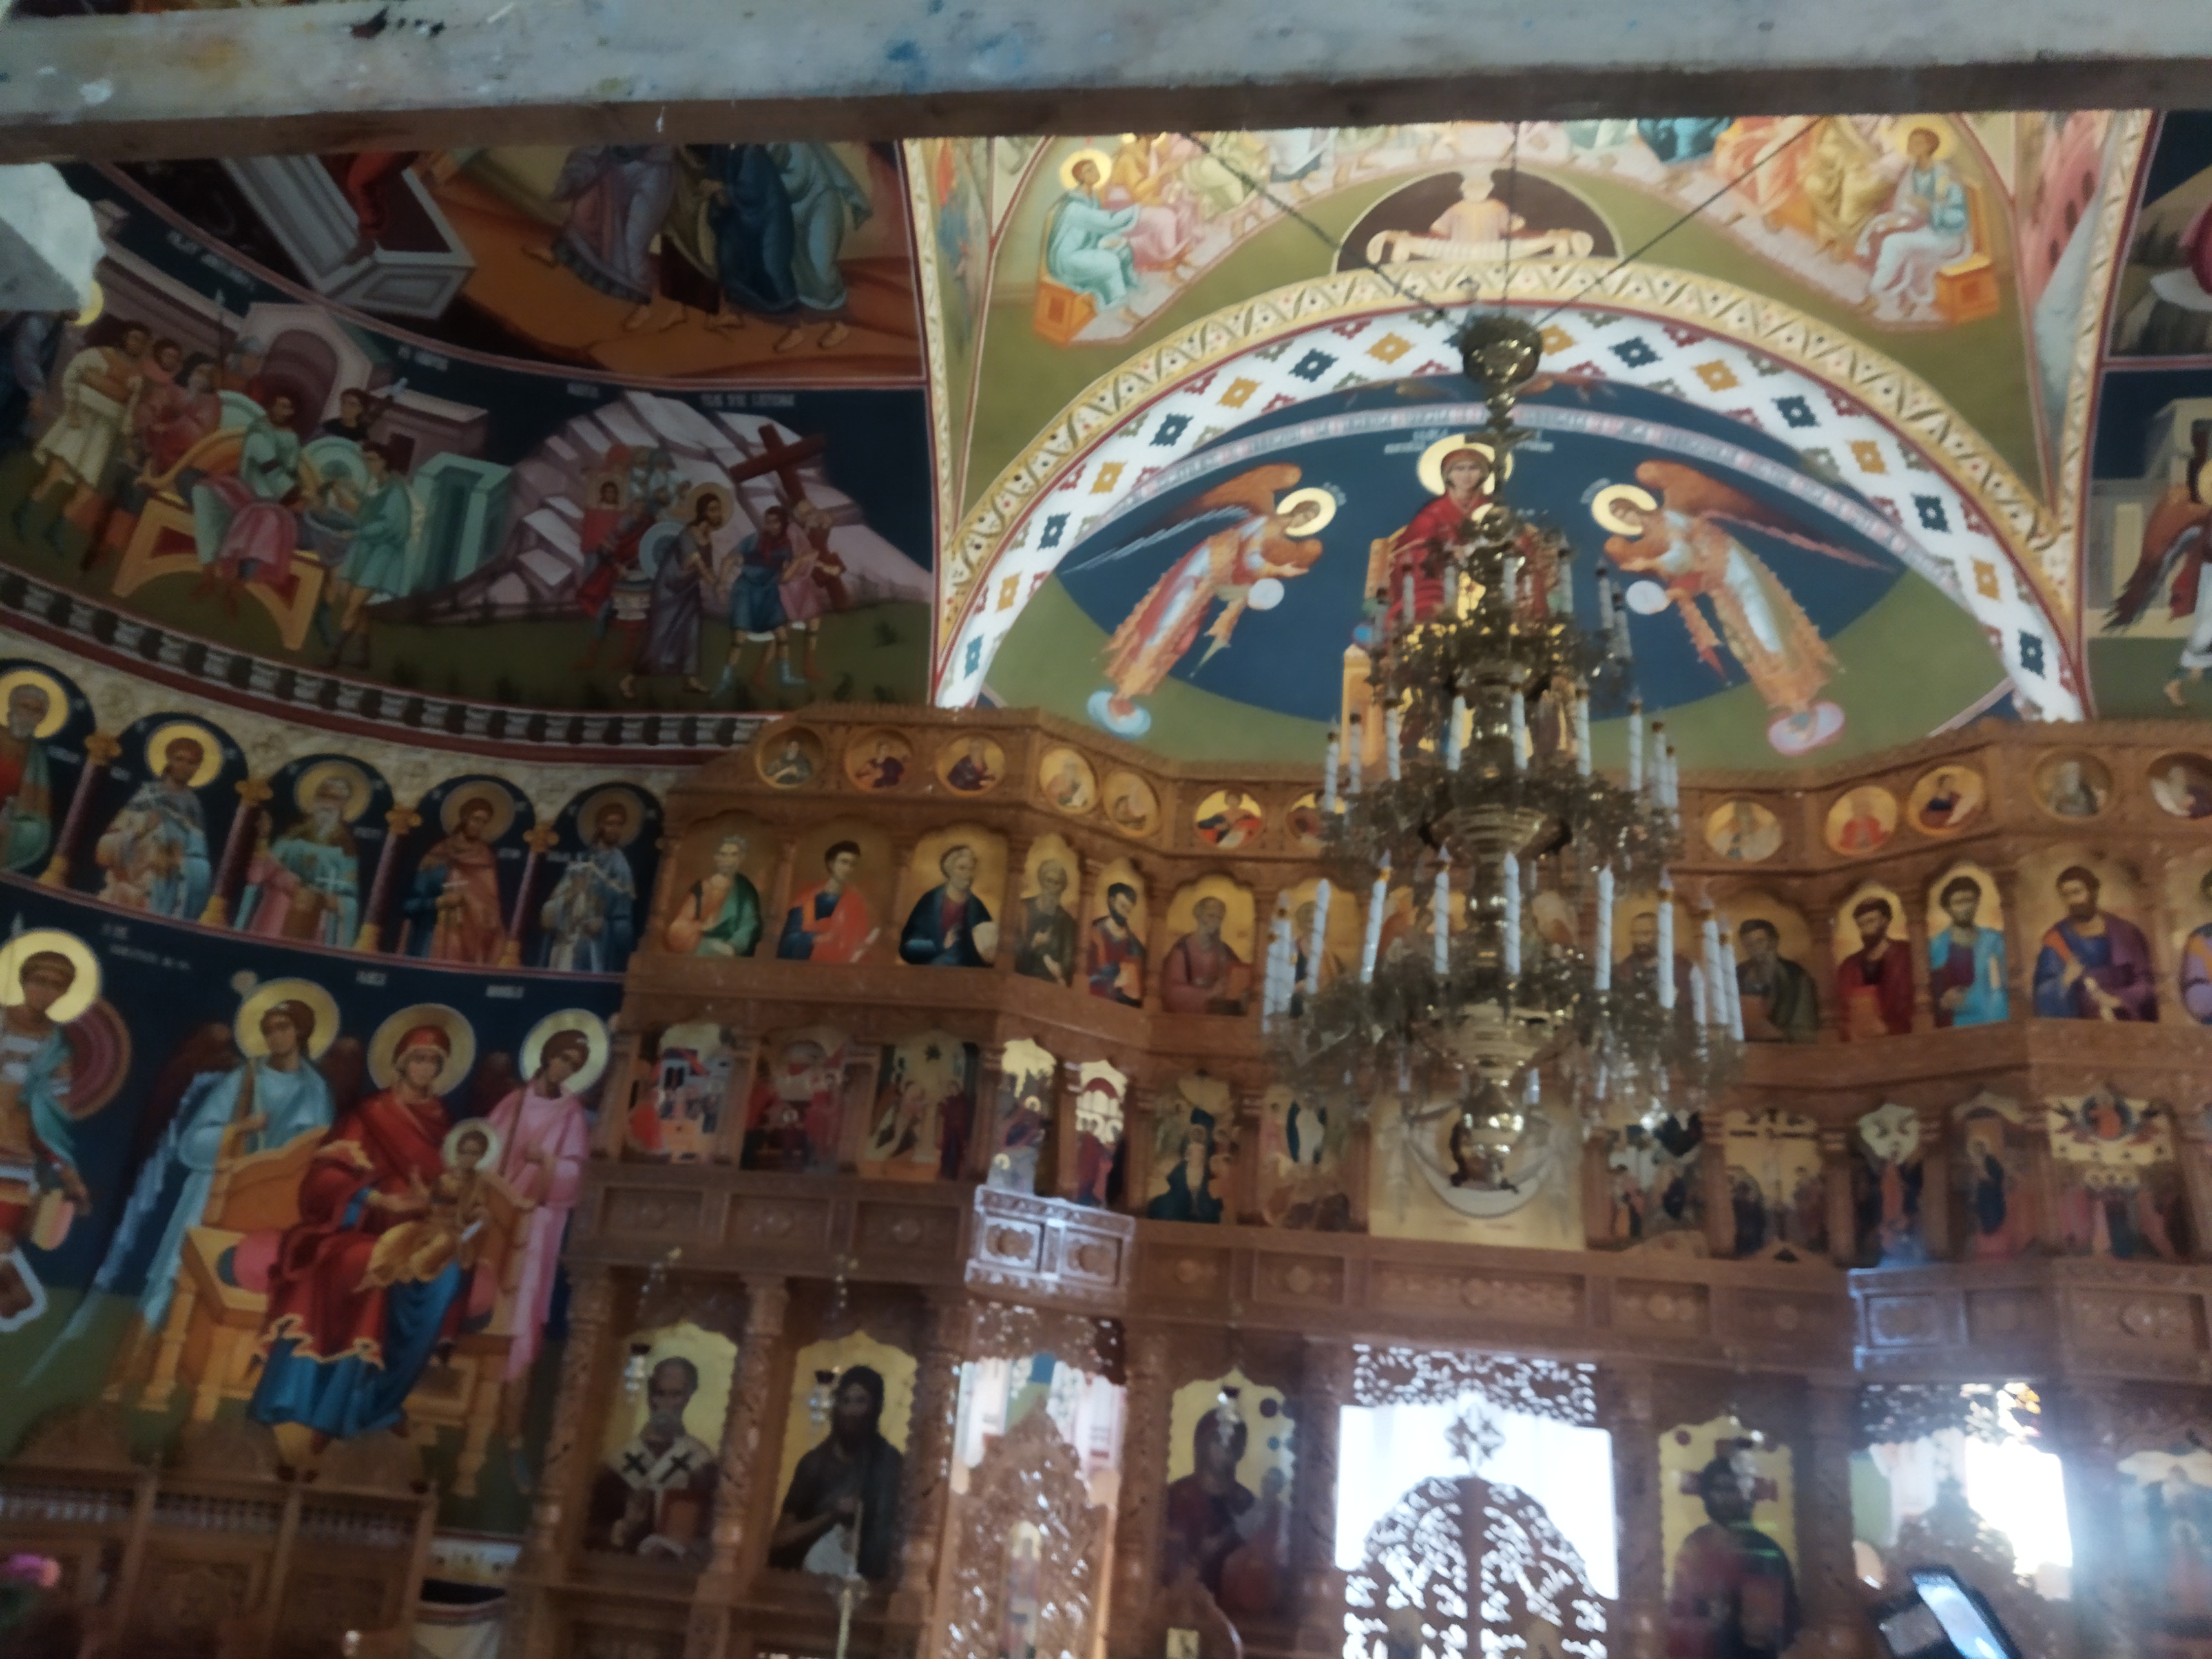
x: 171, y: 1192
x: 159, y: 819
x: 1685, y: 138
x: 1074, y: 252
x: 597, y: 886
x: 929, y: 943
x: 1985, y: 1002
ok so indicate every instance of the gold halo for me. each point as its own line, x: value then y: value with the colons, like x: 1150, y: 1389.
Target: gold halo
x: 1431, y: 466
x: 569, y: 1019
x: 502, y: 807
x: 689, y: 504
x: 1068, y: 168
x: 451, y: 1021
x: 1900, y: 134
x: 359, y: 790
x: 1298, y: 501
x: 58, y: 702
x: 88, y: 312
x: 263, y: 998
x: 157, y: 750
x: 1605, y: 509
x: 481, y: 1125
x: 83, y: 991
x: 588, y: 809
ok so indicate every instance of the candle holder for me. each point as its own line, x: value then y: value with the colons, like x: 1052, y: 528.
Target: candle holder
x: 1493, y: 975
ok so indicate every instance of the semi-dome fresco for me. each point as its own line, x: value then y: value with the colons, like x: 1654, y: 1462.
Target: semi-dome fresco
x: 1785, y: 562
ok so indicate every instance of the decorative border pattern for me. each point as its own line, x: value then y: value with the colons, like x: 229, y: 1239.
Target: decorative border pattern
x: 50, y: 618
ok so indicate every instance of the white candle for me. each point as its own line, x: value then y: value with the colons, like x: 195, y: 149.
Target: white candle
x: 1405, y: 606
x: 1509, y: 579
x: 1455, y: 743
x: 1379, y: 897
x: 1511, y: 875
x: 1666, y: 963
x: 1697, y: 995
x: 1319, y: 937
x: 1601, y: 969
x: 1451, y: 590
x: 1440, y: 917
x: 1517, y: 725
x: 1605, y: 605
x: 1674, y: 780
x: 1657, y: 769
x: 1716, y: 1014
x: 1563, y: 587
x: 1532, y: 1090
x: 1329, y: 775
x: 1728, y: 981
x: 1352, y: 756
x: 1581, y: 734
x: 1391, y: 738
x: 1635, y: 752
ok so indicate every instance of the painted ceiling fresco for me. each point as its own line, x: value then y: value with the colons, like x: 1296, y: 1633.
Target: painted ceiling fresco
x: 1902, y: 319
x: 535, y: 430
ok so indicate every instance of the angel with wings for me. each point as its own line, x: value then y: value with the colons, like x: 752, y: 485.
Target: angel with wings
x: 1678, y: 529
x: 2174, y: 545
x: 1256, y: 531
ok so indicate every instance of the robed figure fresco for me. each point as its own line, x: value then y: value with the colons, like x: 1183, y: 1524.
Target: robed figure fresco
x: 1047, y: 949
x: 721, y: 916
x: 1248, y: 537
x: 655, y: 1496
x: 2094, y: 964
x: 1467, y: 473
x: 26, y: 782
x: 2175, y: 542
x: 545, y: 1138
x: 37, y: 1153
x: 841, y: 1509
x: 1781, y: 1002
x: 1734, y: 1594
x: 1205, y: 1515
x: 2196, y: 965
x: 1682, y: 534
x: 1114, y: 957
x: 1874, y: 984
x: 260, y: 1097
x: 949, y: 926
x: 305, y: 882
x: 830, y: 922
x: 342, y: 1352
x: 154, y: 855
x: 590, y: 918
x: 1201, y: 974
x: 455, y: 904
x: 1966, y: 962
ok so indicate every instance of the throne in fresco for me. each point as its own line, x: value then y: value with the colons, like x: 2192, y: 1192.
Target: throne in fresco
x: 161, y: 542
x: 209, y: 1339
x: 1967, y: 288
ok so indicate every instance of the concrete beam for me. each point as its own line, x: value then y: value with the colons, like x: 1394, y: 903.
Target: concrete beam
x: 428, y: 74
x: 48, y: 242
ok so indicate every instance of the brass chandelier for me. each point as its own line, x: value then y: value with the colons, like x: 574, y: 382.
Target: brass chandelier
x: 1514, y: 848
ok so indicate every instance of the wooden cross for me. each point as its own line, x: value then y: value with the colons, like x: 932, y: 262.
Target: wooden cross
x: 782, y: 460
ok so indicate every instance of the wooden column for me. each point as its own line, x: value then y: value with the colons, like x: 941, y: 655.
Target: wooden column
x: 618, y: 1089
x: 2190, y: 1151
x: 760, y: 1354
x: 1825, y: 1556
x: 1326, y: 1391
x: 1712, y: 1171
x: 1143, y: 1476
x: 779, y: 893
x: 1822, y: 923
x: 2043, y: 1180
x: 1137, y: 1146
x: 100, y: 750
x: 1836, y: 1188
x: 540, y: 841
x: 252, y: 794
x: 1916, y: 940
x: 587, y: 1374
x: 1626, y: 1394
x: 2085, y: 1418
x: 2019, y: 949
x: 932, y: 1444
x: 1936, y: 1201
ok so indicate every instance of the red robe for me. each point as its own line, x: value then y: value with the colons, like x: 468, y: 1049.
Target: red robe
x: 1875, y: 993
x: 314, y: 1292
x: 1439, y: 521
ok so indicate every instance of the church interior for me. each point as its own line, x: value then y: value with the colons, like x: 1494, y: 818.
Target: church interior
x: 1344, y: 892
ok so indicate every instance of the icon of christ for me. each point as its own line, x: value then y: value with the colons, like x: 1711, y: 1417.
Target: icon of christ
x: 1254, y: 537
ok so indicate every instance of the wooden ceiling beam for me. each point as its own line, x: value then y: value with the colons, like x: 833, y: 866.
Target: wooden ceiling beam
x: 431, y: 74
